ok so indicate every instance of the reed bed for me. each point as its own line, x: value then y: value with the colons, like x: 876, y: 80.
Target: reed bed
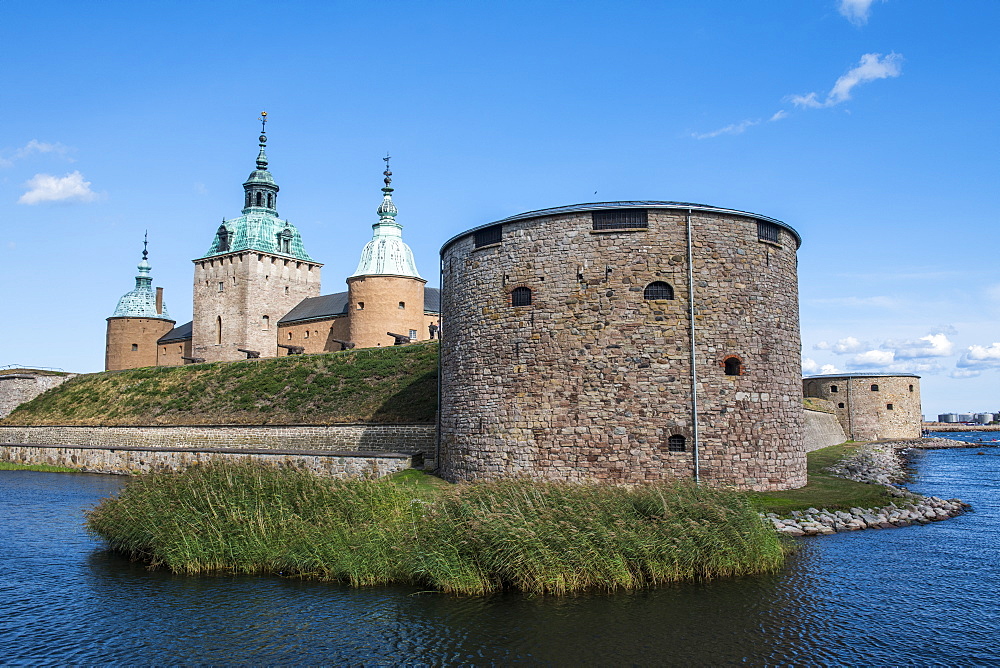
x: 547, y: 538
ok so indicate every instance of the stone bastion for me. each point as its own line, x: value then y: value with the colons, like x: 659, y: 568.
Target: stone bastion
x: 871, y: 406
x: 582, y: 341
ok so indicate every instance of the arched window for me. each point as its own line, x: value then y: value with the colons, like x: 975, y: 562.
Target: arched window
x: 223, y: 238
x: 911, y: 388
x: 270, y: 200
x: 218, y: 329
x: 265, y: 322
x: 520, y: 297
x: 874, y: 388
x: 248, y: 200
x: 658, y: 290
x: 260, y: 199
x: 733, y: 366
x: 833, y: 388
x: 676, y: 443
x: 285, y: 241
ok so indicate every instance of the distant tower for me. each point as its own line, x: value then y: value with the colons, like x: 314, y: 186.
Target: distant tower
x: 254, y: 273
x: 140, y: 319
x: 385, y: 293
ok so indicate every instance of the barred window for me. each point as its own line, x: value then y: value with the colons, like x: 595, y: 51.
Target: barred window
x: 658, y: 290
x: 520, y: 297
x: 676, y: 443
x: 621, y: 219
x: 768, y: 232
x: 489, y: 235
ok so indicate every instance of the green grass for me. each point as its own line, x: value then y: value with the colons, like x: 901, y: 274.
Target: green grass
x: 546, y: 538
x: 380, y: 385
x: 824, y: 490
x: 10, y: 466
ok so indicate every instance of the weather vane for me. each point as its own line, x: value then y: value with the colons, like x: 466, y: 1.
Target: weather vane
x: 145, y: 244
x: 263, y: 121
x: 387, y: 172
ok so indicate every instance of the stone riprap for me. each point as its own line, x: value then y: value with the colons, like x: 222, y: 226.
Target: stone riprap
x: 130, y: 461
x: 880, y: 463
x: 567, y: 353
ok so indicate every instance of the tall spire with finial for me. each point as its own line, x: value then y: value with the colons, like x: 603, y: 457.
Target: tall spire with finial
x: 387, y: 253
x: 261, y: 192
x: 141, y: 302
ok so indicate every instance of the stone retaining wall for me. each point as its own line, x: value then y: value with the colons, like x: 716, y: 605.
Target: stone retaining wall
x: 17, y: 388
x: 822, y: 430
x: 144, y: 460
x: 408, y: 439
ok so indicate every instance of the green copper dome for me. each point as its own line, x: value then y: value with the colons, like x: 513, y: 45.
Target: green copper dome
x: 141, y: 302
x: 259, y: 228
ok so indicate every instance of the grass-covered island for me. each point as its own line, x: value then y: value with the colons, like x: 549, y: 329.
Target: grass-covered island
x: 519, y: 535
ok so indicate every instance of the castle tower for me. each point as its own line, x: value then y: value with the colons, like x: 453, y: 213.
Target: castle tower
x: 255, y: 272
x: 140, y: 319
x: 385, y: 293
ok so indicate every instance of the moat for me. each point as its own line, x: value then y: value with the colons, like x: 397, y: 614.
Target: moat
x: 916, y: 595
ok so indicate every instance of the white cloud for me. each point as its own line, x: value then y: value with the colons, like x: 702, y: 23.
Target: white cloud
x: 48, y: 188
x: 856, y: 11
x: 812, y: 367
x: 32, y: 147
x: 778, y: 115
x: 965, y: 373
x: 932, y: 345
x: 872, y: 358
x: 981, y: 357
x: 732, y: 129
x: 873, y: 66
x: 845, y: 346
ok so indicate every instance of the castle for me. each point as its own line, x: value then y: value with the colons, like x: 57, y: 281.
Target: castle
x: 871, y: 406
x: 257, y: 293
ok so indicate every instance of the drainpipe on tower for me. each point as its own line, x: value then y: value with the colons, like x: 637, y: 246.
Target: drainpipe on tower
x: 694, y: 369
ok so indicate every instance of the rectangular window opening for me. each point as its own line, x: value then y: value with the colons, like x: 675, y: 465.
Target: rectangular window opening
x: 488, y: 236
x: 768, y: 232
x: 621, y: 219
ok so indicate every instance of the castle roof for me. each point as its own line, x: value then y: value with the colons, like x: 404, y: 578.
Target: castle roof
x: 259, y: 228
x: 141, y: 302
x: 863, y: 374
x: 178, y: 334
x: 330, y: 306
x: 387, y: 254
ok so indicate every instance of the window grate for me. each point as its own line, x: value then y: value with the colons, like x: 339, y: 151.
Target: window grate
x: 768, y: 232
x: 520, y: 297
x: 489, y: 235
x: 621, y: 219
x: 658, y: 290
x: 676, y: 443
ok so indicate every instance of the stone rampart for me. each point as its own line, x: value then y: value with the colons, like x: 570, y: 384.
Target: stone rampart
x: 131, y: 460
x: 407, y: 439
x: 17, y: 388
x: 871, y: 406
x: 822, y: 430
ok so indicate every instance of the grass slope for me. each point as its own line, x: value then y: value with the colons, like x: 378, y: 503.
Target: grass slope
x: 387, y: 385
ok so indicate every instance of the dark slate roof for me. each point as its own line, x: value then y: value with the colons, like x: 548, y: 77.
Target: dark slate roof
x: 177, y: 334
x: 330, y: 306
x: 313, y: 308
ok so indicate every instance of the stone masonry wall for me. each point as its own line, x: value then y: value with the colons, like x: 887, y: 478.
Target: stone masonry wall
x: 591, y: 380
x: 407, y: 439
x: 15, y: 389
x: 145, y: 460
x: 891, y: 411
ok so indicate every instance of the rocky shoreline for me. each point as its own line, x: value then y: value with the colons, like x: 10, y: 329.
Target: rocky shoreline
x: 878, y: 463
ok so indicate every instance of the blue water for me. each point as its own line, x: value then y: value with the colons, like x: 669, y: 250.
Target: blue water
x: 921, y: 595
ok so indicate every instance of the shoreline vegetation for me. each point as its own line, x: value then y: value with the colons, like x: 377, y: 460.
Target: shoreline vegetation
x: 542, y: 538
x: 521, y: 535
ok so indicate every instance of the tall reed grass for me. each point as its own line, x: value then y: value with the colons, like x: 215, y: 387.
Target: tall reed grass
x: 549, y: 538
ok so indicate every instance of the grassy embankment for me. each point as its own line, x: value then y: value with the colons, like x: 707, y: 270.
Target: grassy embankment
x: 824, y: 490
x: 468, y: 539
x: 395, y: 384
x: 44, y: 468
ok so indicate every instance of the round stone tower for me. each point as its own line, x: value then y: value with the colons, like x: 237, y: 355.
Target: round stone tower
x: 138, y: 322
x: 385, y: 293
x: 871, y: 406
x: 623, y: 342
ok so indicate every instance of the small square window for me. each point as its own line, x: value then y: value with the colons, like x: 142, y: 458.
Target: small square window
x: 413, y: 334
x: 402, y: 304
x: 840, y: 405
x: 888, y: 407
x: 834, y: 388
x: 135, y: 347
x: 361, y: 306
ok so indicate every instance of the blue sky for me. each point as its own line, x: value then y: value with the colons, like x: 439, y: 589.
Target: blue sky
x: 870, y: 127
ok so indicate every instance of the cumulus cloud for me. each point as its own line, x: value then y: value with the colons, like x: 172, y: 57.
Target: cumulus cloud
x: 856, y: 11
x: 932, y: 345
x: 48, y: 188
x: 873, y: 358
x: 873, y: 66
x: 811, y: 366
x: 965, y: 373
x: 843, y: 346
x: 981, y: 357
